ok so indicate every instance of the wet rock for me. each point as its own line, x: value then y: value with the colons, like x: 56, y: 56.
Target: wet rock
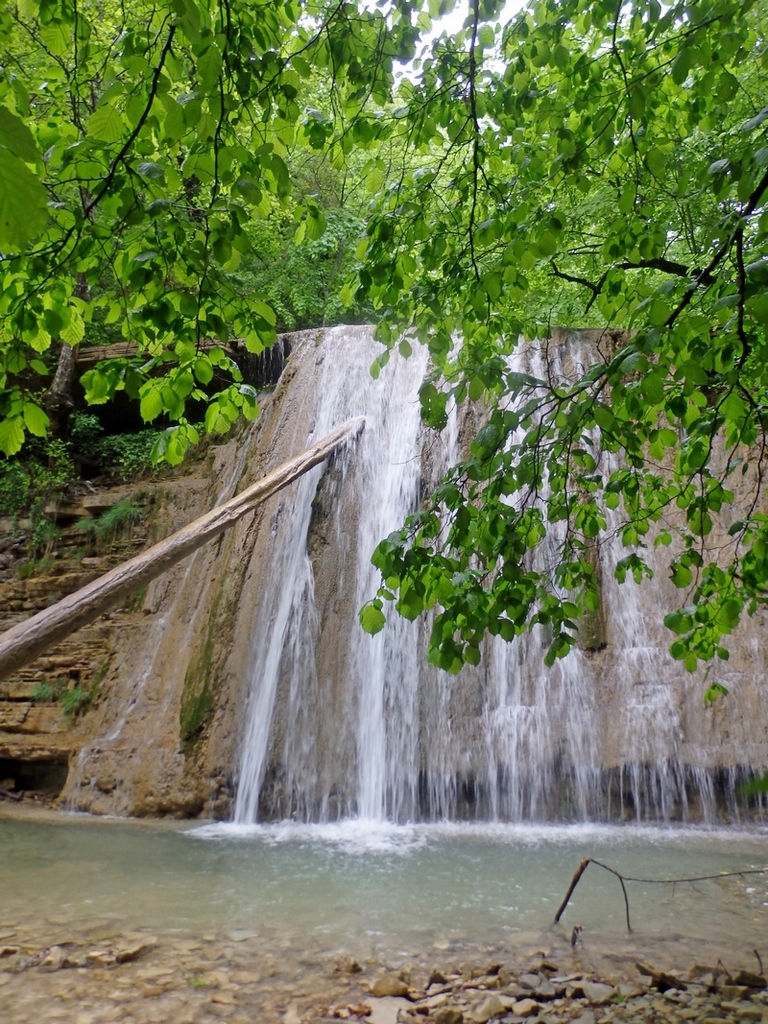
x: 731, y: 992
x: 596, y: 993
x: 672, y: 995
x: 548, y: 967
x: 490, y: 1007
x: 100, y: 956
x: 700, y: 971
x: 55, y: 958
x: 348, y: 965
x: 130, y: 953
x: 384, y: 1010
x: 525, y: 1008
x: 661, y: 980
x: 389, y: 985
x: 291, y: 1015
x: 749, y: 1013
x: 432, y: 1003
x: 588, y: 1017
x: 628, y: 990
x: 545, y: 990
x: 449, y: 1015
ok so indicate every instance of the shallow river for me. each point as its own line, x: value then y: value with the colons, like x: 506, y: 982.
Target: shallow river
x: 372, y: 889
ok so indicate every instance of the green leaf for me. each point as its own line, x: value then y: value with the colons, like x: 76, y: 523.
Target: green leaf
x: 714, y: 692
x: 151, y: 404
x: 56, y: 36
x: 151, y: 170
x: 316, y: 225
x: 106, y: 124
x: 35, y: 420
x: 74, y: 332
x: 681, y: 575
x: 17, y: 137
x: 11, y: 435
x: 203, y: 370
x: 265, y: 312
x: 23, y: 203
x: 372, y: 619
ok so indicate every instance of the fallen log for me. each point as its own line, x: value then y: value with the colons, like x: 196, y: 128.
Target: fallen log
x: 27, y: 640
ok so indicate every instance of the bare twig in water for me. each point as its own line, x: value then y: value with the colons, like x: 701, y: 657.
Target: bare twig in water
x: 585, y: 861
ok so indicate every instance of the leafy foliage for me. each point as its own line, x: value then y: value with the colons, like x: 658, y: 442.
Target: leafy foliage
x: 590, y: 162
x: 112, y: 521
x: 608, y: 163
x: 75, y: 700
x: 28, y: 486
x: 125, y: 455
x: 139, y: 146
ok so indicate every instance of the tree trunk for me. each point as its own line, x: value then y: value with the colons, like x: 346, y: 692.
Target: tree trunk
x: 28, y: 640
x: 58, y: 400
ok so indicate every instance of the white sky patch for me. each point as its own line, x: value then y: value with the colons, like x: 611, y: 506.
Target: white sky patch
x: 454, y: 21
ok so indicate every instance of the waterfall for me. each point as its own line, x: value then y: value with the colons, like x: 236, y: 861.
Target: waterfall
x: 246, y: 673
x: 385, y: 474
x: 338, y: 723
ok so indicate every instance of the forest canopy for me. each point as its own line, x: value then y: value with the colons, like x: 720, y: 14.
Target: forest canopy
x: 587, y: 164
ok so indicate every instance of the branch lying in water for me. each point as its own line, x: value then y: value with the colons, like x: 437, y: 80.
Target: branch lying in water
x: 586, y: 861
x: 28, y: 640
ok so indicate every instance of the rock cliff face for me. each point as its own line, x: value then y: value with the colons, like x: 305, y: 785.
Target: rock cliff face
x: 243, y: 670
x: 36, y: 736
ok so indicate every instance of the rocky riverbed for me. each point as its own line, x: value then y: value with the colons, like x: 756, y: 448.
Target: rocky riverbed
x: 246, y: 977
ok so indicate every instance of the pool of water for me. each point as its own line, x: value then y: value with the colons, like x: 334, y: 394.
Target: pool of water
x: 375, y: 889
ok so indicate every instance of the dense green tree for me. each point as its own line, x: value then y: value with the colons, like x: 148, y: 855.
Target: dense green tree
x: 141, y: 147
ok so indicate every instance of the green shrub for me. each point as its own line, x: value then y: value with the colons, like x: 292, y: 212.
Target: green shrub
x: 76, y: 701
x: 14, y: 487
x: 127, y: 454
x: 44, y: 693
x: 113, y: 521
x: 34, y: 567
x: 28, y: 485
x: 85, y: 432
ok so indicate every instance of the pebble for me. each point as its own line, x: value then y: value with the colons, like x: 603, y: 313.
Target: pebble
x: 489, y: 1008
x: 100, y: 975
x: 449, y: 1015
x: 386, y: 1009
x: 596, y: 993
x: 525, y: 1008
x: 389, y: 985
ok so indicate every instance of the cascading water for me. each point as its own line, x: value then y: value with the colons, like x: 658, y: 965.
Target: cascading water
x: 385, y: 471
x: 339, y: 723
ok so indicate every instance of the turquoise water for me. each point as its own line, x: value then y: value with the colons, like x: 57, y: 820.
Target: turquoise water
x: 364, y: 886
